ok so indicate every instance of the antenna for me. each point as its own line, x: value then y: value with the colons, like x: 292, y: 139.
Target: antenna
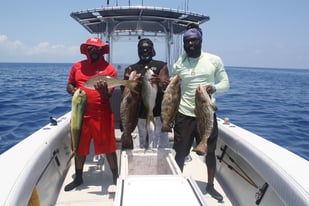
x: 187, y: 5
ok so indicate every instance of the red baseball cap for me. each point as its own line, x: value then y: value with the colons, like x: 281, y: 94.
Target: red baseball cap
x: 94, y: 41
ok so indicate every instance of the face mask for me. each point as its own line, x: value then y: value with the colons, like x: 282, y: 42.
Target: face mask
x: 94, y: 52
x: 193, y: 47
x: 145, y: 52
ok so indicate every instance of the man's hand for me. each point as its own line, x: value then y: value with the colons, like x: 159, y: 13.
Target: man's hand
x: 127, y: 73
x: 210, y: 89
x: 102, y: 88
x: 71, y: 89
x: 155, y: 79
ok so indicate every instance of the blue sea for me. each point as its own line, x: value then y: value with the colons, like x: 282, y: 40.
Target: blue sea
x: 271, y: 102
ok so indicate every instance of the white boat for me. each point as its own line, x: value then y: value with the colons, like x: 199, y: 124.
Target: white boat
x: 250, y: 169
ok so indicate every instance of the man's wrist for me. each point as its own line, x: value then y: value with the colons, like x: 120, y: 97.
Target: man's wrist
x: 213, y: 89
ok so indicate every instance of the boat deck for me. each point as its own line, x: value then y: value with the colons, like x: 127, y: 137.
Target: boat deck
x: 97, y: 188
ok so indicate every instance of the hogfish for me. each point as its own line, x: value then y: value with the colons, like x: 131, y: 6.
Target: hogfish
x: 129, y: 107
x: 170, y: 103
x: 79, y: 101
x: 204, y: 111
x: 149, y: 95
x: 111, y: 82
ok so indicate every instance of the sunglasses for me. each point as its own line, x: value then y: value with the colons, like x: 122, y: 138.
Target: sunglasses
x: 94, y: 48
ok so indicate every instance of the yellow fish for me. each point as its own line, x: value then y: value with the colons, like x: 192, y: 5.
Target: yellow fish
x: 79, y: 102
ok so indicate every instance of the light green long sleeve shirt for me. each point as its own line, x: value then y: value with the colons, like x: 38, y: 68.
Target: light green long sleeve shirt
x: 207, y: 69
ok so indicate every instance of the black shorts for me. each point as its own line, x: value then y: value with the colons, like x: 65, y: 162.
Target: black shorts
x: 185, y: 132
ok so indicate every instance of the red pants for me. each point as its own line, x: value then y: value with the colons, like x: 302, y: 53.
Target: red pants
x: 101, y: 129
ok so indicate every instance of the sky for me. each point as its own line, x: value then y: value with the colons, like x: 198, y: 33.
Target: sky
x: 256, y: 33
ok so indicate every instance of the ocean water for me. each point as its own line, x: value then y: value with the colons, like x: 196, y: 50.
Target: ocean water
x: 271, y: 102
x: 29, y: 95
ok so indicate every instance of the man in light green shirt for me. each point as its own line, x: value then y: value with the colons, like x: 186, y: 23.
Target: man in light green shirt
x: 207, y: 69
x: 197, y: 68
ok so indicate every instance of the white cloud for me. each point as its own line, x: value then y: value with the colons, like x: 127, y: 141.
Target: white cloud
x: 3, y: 38
x: 6, y: 44
x: 17, y: 51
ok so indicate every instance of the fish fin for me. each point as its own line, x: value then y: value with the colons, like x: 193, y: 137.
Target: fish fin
x: 214, y: 107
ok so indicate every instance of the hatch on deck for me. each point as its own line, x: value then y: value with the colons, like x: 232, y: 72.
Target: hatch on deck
x: 152, y: 177
x: 148, y: 162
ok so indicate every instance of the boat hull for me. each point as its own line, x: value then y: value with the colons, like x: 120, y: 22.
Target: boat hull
x: 42, y: 157
x: 39, y: 161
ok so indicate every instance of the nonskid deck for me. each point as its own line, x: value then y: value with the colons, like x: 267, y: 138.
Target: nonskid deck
x: 98, y: 179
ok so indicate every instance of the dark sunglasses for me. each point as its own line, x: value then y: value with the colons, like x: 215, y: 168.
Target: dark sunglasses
x: 94, y: 48
x: 145, y: 47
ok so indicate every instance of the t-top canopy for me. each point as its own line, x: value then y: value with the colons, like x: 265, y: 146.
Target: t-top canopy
x: 107, y: 20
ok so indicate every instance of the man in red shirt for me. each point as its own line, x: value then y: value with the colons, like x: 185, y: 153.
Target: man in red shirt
x: 98, y: 122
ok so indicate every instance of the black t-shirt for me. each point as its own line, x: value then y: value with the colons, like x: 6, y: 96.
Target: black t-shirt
x: 156, y: 67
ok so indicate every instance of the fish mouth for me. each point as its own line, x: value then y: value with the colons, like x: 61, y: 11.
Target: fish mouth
x: 81, y: 92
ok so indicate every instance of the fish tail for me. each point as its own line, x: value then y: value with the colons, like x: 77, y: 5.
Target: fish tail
x: 131, y: 85
x: 153, y: 121
x: 150, y: 119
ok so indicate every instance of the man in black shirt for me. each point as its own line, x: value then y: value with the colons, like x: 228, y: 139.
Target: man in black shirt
x: 146, y: 52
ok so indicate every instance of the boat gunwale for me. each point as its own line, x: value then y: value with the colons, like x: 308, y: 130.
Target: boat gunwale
x: 258, y: 152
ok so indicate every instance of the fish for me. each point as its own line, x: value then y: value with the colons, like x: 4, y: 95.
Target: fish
x: 111, y: 82
x: 79, y: 102
x: 149, y: 95
x: 204, y: 111
x: 129, y: 109
x: 170, y: 103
